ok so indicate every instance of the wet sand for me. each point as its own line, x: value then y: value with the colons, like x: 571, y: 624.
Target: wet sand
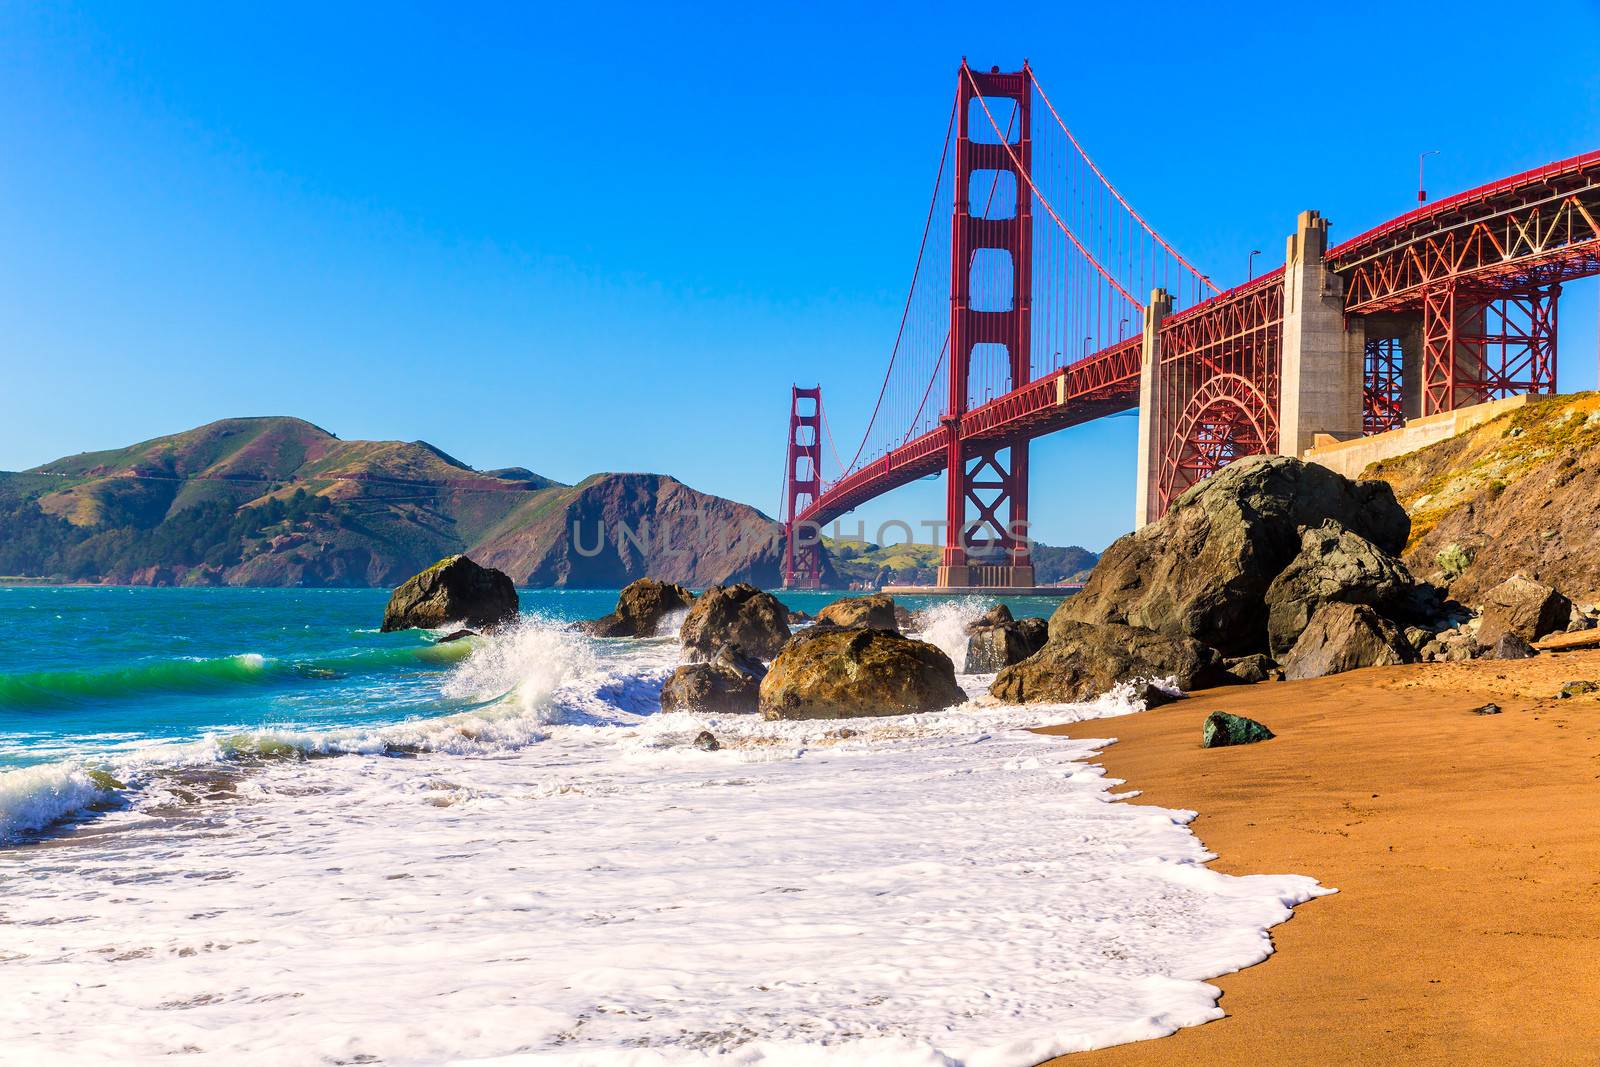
x: 1465, y: 848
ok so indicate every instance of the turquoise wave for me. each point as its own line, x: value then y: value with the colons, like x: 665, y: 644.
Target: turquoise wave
x: 51, y: 689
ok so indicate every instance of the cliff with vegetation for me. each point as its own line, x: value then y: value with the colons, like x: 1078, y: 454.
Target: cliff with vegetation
x: 279, y: 501
x: 1518, y: 495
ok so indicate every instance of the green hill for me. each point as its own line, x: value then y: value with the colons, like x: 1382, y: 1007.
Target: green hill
x: 279, y: 501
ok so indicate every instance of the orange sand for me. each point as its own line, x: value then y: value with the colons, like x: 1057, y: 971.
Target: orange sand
x: 1466, y: 850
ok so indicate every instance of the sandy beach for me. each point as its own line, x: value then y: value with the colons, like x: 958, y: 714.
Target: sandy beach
x: 1466, y: 851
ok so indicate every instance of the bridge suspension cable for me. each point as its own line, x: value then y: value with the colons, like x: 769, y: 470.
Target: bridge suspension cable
x: 1085, y: 269
x: 1204, y: 280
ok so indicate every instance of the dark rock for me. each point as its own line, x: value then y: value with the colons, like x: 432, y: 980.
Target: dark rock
x: 1523, y: 607
x: 735, y: 615
x: 707, y: 741
x: 728, y: 684
x: 1035, y: 631
x: 993, y: 648
x: 1487, y: 709
x: 835, y: 673
x: 797, y: 617
x: 1203, y: 570
x: 457, y: 635
x: 905, y: 619
x: 1152, y: 696
x: 876, y: 611
x: 999, y: 615
x: 1222, y: 730
x: 1083, y: 660
x: 453, y: 590
x: 1334, y: 565
x: 640, y: 608
x: 1250, y: 669
x: 1509, y: 646
x: 1577, y: 689
x: 1344, y: 637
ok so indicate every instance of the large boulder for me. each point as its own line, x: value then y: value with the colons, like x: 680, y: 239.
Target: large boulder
x: 1523, y: 607
x: 999, y: 615
x: 1343, y: 637
x: 836, y: 673
x: 453, y: 590
x: 1203, y: 570
x: 1334, y: 565
x: 876, y: 610
x: 641, y: 606
x: 1035, y: 631
x: 993, y: 648
x: 1083, y: 660
x: 729, y: 684
x: 735, y: 615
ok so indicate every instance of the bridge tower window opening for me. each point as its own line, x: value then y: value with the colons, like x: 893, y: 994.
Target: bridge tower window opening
x: 992, y: 280
x: 994, y: 194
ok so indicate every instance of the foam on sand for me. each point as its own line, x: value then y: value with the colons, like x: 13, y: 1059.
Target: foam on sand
x: 561, y: 877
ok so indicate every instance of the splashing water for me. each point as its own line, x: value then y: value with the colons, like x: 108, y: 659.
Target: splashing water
x: 525, y: 663
x: 945, y: 625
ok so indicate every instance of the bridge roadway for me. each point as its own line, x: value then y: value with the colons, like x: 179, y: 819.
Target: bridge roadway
x: 1501, y: 230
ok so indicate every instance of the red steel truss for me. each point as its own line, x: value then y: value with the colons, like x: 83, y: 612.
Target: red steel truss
x: 1219, y: 387
x: 1383, y: 400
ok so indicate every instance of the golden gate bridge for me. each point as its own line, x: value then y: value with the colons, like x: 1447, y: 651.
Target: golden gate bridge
x: 1049, y: 301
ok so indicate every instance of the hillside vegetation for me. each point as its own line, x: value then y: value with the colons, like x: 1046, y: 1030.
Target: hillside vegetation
x: 856, y: 562
x: 279, y: 501
x: 1520, y: 494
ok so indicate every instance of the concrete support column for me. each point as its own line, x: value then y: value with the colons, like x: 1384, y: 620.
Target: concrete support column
x: 1323, y: 361
x: 1151, y: 441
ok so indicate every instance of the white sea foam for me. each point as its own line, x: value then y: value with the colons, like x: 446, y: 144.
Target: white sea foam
x: 561, y: 877
x: 945, y: 625
x: 32, y: 798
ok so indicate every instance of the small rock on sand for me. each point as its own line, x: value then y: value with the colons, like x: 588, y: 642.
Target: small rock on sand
x: 1222, y: 730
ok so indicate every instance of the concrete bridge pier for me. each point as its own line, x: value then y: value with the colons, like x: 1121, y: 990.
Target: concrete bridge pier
x: 1151, y: 402
x: 1322, y: 354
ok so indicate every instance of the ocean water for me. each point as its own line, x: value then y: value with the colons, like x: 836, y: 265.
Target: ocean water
x: 244, y: 827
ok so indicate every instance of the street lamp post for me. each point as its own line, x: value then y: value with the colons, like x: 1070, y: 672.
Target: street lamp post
x: 1422, y: 193
x: 1250, y: 264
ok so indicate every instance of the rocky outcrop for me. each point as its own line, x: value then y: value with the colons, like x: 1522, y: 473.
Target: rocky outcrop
x: 1523, y: 607
x: 453, y: 590
x: 640, y: 608
x: 729, y: 684
x: 1035, y: 632
x: 993, y: 648
x: 996, y: 640
x: 1344, y: 637
x: 1203, y: 570
x: 1508, y: 646
x: 876, y: 611
x: 1334, y: 565
x: 1222, y: 730
x: 1083, y: 660
x: 836, y: 673
x: 739, y: 615
x: 1518, y: 495
x: 1250, y: 669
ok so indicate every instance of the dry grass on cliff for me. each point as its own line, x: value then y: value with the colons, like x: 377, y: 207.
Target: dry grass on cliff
x: 1520, y: 494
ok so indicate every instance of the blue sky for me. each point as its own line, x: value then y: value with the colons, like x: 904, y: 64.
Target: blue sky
x: 610, y: 238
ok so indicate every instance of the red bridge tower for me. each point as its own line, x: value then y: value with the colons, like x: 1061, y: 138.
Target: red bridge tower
x: 986, y: 502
